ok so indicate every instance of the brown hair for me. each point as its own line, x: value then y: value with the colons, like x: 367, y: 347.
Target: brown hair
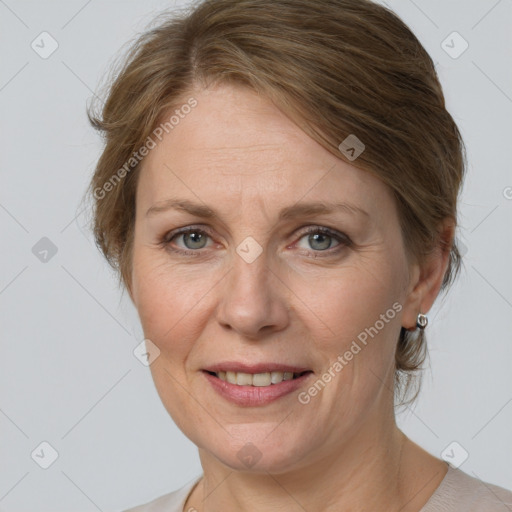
x: 335, y: 67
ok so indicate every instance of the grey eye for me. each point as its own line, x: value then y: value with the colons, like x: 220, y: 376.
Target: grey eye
x: 194, y: 240
x: 319, y: 241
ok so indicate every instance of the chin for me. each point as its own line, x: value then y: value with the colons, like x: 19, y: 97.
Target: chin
x: 260, y: 464
x: 259, y: 456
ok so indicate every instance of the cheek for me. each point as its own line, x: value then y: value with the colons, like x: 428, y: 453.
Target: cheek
x: 357, y: 318
x: 170, y: 311
x: 352, y: 301
x: 170, y: 304
x: 358, y: 349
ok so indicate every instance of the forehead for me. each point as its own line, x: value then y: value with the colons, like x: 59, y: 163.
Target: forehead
x: 236, y: 143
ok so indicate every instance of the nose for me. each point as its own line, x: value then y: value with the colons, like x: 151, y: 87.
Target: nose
x: 253, y: 300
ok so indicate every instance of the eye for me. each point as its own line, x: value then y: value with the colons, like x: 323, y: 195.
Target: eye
x: 192, y: 239
x: 321, y: 239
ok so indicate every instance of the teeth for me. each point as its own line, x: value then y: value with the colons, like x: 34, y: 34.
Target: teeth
x: 244, y: 379
x: 261, y: 379
x: 256, y: 379
x: 276, y: 377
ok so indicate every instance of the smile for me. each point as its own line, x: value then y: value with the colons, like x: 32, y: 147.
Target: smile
x: 256, y: 379
x: 256, y: 388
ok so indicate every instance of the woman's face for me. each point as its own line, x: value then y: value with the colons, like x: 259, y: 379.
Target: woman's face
x: 264, y: 284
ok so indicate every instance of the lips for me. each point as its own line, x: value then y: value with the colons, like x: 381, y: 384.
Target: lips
x: 255, y: 384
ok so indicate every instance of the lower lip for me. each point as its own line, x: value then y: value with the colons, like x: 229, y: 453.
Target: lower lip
x: 251, y: 396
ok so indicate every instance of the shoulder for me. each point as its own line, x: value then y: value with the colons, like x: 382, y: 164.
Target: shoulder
x: 461, y: 492
x: 171, y: 502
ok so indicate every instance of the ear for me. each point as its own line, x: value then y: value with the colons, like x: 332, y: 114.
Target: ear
x: 426, y: 280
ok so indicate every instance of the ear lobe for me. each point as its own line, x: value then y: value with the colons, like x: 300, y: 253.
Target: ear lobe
x: 426, y: 280
x: 413, y: 299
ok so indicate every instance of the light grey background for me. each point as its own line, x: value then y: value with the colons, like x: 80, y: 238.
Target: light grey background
x: 68, y: 375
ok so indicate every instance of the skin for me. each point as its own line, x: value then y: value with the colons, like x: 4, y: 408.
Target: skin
x: 298, y: 303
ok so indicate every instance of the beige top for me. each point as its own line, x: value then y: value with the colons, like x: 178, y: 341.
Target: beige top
x: 457, y: 492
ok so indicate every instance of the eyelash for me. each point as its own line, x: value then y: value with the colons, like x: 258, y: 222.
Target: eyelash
x: 344, y: 240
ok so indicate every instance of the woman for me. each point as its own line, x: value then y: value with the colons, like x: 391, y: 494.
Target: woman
x: 278, y: 192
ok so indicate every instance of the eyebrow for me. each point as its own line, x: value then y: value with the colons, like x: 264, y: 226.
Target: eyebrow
x: 290, y: 212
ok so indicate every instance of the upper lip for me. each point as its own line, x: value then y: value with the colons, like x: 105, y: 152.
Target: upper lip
x: 238, y: 367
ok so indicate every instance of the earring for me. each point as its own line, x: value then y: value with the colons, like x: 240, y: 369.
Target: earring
x: 421, y: 321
